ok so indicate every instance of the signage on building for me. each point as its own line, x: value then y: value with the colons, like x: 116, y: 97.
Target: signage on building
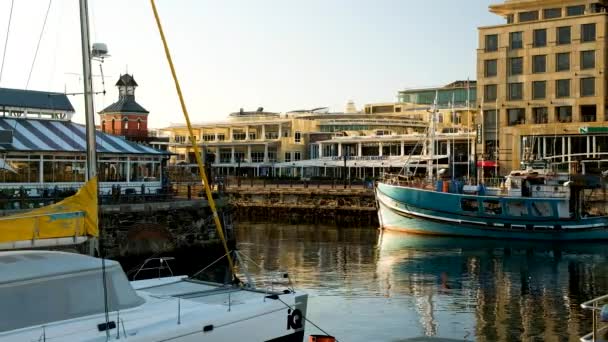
x: 479, y: 133
x: 361, y: 158
x: 590, y: 130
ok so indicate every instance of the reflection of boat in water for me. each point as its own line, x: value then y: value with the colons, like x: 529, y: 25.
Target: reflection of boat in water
x: 501, y: 289
x: 393, y: 240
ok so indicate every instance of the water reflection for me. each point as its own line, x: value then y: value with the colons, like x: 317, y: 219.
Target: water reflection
x: 371, y: 286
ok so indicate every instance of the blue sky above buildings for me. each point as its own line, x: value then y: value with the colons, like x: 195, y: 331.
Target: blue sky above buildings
x: 282, y: 55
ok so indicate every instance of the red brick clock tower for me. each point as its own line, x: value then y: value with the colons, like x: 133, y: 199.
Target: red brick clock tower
x: 126, y: 117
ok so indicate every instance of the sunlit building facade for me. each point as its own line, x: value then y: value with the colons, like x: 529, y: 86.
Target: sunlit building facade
x: 541, y: 83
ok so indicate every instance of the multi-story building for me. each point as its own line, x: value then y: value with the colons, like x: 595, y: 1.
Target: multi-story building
x: 542, y: 83
x: 317, y: 142
x: 251, y: 140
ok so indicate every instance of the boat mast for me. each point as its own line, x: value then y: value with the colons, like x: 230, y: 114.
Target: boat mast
x: 468, y: 131
x: 432, y: 137
x: 453, y: 149
x: 89, y: 110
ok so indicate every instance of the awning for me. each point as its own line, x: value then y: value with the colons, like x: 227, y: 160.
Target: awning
x: 486, y: 163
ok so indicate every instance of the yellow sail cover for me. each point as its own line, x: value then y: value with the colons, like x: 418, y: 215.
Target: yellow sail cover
x: 74, y: 216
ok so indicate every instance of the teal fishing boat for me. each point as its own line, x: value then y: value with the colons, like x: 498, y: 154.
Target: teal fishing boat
x: 535, y: 203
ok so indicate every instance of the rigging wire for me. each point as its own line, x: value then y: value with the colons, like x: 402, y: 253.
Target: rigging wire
x: 46, y: 16
x: 8, y: 30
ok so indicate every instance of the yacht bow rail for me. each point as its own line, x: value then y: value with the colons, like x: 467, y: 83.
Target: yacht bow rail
x: 598, y: 331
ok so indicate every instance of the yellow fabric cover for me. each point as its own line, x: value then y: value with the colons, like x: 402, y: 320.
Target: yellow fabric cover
x: 74, y: 216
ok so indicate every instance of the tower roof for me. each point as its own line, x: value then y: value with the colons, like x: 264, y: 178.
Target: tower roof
x: 125, y: 104
x: 126, y: 80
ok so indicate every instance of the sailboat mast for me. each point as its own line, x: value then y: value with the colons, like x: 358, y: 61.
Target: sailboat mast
x: 89, y: 109
x: 468, y: 130
x: 432, y: 137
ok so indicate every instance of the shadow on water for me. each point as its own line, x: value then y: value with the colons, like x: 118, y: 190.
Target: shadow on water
x: 367, y: 285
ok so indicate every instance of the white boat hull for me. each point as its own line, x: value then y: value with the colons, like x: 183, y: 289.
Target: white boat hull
x: 180, y: 315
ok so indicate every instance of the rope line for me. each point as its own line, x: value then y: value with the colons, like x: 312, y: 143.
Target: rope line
x: 46, y: 16
x: 8, y: 30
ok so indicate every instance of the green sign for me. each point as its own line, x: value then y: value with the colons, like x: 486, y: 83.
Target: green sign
x: 591, y: 130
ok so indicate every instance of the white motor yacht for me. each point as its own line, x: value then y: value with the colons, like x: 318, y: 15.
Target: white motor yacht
x: 58, y: 296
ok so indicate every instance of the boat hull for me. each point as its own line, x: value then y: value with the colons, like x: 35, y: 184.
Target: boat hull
x: 407, y: 210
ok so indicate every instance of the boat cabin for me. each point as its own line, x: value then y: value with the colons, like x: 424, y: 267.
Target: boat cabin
x: 51, y: 286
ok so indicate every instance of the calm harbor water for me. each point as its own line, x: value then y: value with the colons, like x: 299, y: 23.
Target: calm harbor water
x: 368, y: 286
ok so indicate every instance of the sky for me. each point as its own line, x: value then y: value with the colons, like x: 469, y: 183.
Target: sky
x: 278, y: 54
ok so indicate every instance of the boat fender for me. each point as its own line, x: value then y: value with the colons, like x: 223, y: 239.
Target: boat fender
x: 208, y: 328
x: 106, y: 326
x: 604, y: 313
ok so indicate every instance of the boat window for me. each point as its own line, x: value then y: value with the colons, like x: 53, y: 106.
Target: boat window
x: 492, y: 207
x: 542, y: 209
x: 517, y: 208
x: 469, y: 204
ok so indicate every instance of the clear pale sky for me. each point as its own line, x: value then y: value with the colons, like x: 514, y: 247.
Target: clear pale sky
x: 279, y: 54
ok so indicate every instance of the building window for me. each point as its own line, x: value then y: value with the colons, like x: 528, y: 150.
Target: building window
x: 588, y: 86
x: 539, y: 64
x: 297, y: 137
x: 103, y: 125
x: 516, y: 66
x: 257, y: 157
x: 516, y: 91
x: 113, y: 126
x: 575, y: 10
x: 491, y: 67
x: 563, y: 35
x: 491, y: 42
x: 588, y: 59
x: 125, y: 123
x: 139, y: 124
x: 516, y: 40
x: 221, y: 137
x: 588, y: 32
x: 562, y: 61
x: 562, y: 88
x: 516, y: 116
x: 539, y: 90
x: 287, y: 157
x: 589, y: 113
x: 552, y: 13
x: 528, y: 16
x: 490, y: 92
x: 540, y: 38
x: 563, y: 114
x: 540, y: 115
x: 297, y: 156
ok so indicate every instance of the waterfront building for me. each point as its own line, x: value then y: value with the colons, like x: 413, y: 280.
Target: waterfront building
x: 41, y: 148
x: 319, y: 143
x: 542, y: 85
x: 252, y: 141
